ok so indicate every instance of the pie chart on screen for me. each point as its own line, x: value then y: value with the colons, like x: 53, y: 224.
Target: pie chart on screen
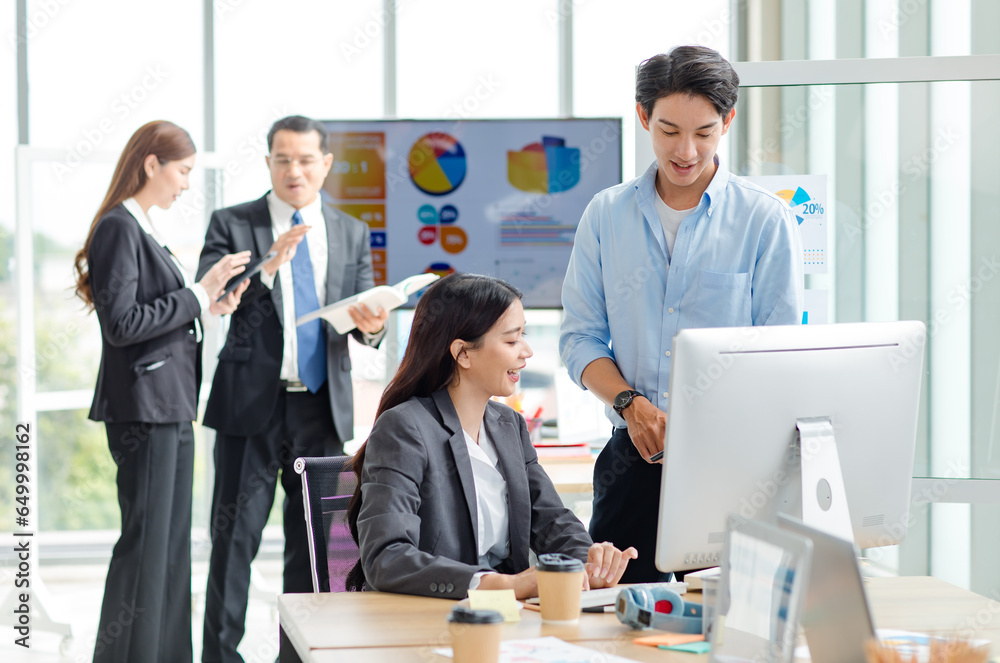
x: 437, y: 163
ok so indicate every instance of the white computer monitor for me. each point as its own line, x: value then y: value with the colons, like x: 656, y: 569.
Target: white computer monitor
x: 740, y: 397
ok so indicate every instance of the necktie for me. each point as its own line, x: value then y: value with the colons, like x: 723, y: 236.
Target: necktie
x: 311, y: 339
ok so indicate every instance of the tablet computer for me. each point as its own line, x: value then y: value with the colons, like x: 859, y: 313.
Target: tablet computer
x: 836, y: 618
x: 764, y: 573
x: 251, y: 269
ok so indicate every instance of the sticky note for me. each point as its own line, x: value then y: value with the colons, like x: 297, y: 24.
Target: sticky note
x: 501, y: 600
x: 691, y: 647
x: 668, y: 639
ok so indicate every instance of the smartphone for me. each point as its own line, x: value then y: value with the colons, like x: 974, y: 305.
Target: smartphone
x: 251, y: 269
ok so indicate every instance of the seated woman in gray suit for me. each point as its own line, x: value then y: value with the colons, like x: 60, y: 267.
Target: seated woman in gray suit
x: 450, y: 495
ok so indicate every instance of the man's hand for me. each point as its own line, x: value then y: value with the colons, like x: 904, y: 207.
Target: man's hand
x: 368, y: 322
x: 647, y: 425
x: 285, y: 247
x: 606, y: 564
x: 231, y: 302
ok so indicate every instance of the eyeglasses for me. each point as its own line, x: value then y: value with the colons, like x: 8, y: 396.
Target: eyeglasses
x: 305, y: 163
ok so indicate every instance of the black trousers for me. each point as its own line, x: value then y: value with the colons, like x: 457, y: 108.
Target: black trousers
x: 627, y: 505
x: 247, y: 470
x: 146, y: 614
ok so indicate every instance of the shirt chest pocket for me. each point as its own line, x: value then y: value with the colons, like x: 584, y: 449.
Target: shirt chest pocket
x: 719, y: 300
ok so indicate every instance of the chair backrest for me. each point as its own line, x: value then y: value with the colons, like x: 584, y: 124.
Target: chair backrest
x: 327, y: 487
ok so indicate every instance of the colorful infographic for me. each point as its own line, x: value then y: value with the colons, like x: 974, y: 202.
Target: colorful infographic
x: 437, y: 164
x: 438, y: 226
x: 545, y: 167
x: 498, y: 197
x: 806, y: 196
x: 801, y: 202
x: 358, y: 170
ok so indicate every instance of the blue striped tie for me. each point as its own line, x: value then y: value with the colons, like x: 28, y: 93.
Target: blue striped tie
x: 311, y: 339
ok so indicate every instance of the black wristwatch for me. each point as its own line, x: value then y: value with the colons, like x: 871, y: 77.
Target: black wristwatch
x: 624, y: 399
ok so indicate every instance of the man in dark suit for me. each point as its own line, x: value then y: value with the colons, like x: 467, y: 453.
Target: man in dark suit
x: 280, y: 391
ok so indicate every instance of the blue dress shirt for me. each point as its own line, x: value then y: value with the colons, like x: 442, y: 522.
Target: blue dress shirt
x: 737, y: 261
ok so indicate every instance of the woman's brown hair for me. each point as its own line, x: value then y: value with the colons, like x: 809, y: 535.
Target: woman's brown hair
x: 164, y: 139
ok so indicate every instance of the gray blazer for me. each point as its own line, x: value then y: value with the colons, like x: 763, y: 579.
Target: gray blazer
x: 245, y: 387
x: 417, y: 526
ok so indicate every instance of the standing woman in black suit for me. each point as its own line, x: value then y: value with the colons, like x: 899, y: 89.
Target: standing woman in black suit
x: 147, y: 392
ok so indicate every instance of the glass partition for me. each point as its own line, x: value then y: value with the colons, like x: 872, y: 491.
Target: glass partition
x: 911, y: 210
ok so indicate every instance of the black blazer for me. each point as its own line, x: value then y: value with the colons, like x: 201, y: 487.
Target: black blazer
x: 418, y: 522
x: 150, y: 359
x: 245, y: 387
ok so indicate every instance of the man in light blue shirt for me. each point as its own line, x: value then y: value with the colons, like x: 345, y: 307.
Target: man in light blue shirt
x: 686, y: 244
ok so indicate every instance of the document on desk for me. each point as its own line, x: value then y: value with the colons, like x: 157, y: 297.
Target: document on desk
x: 544, y: 650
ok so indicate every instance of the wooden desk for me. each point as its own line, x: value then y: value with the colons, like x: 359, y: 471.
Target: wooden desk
x: 570, y: 475
x: 370, y: 626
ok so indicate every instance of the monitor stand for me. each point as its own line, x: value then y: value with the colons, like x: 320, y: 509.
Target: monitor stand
x: 824, y: 500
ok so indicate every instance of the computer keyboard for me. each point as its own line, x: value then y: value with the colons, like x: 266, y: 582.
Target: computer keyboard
x: 596, y: 599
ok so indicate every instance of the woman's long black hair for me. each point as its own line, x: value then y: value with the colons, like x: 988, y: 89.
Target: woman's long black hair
x: 459, y: 306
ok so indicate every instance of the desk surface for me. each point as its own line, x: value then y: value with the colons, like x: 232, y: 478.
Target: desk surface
x: 570, y: 475
x: 370, y: 626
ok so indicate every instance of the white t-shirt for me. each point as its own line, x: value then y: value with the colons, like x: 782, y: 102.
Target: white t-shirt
x: 670, y: 219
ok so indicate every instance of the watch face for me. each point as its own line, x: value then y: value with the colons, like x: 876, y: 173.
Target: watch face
x: 623, y: 399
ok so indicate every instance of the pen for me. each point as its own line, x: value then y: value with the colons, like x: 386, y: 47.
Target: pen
x: 655, y: 457
x: 538, y: 413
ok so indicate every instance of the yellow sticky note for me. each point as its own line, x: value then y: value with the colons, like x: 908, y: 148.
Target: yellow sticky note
x: 501, y: 600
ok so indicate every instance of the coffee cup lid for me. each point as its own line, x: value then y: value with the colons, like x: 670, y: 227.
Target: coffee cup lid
x: 558, y: 562
x: 463, y: 615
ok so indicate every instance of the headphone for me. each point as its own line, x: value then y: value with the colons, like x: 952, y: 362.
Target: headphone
x: 650, y: 606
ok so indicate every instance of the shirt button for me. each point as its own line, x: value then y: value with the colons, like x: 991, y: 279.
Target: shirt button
x: 190, y: 331
x: 434, y: 586
x: 668, y: 353
x: 670, y: 310
x: 451, y: 588
x: 666, y: 394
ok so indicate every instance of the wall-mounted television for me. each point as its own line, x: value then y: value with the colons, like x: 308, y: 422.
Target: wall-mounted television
x: 499, y: 197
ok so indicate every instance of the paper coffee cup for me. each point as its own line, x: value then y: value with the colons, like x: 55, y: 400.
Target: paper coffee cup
x: 475, y: 635
x: 560, y: 581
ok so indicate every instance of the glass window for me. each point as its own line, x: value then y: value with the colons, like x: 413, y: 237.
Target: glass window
x: 911, y: 171
x: 8, y: 133
x: 99, y: 70
x: 460, y: 59
x: 611, y: 38
x: 8, y: 141
x: 319, y: 59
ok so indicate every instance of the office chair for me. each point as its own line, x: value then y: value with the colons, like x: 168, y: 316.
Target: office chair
x: 327, y: 487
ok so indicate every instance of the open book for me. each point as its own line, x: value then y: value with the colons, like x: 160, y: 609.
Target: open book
x: 386, y: 296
